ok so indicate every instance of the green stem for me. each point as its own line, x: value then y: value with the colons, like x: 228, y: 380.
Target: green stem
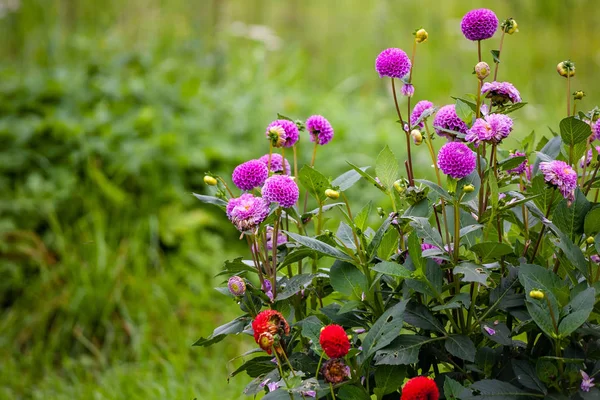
x: 319, y: 366
x: 539, y: 240
x: 569, y: 93
x: 499, y: 52
x: 479, y: 50
x: 332, y: 392
x: 407, y: 134
x: 456, y: 229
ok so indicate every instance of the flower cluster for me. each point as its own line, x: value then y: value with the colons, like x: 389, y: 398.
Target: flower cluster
x: 560, y: 175
x: 335, y: 371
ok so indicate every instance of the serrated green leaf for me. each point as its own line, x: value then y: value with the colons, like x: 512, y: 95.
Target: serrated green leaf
x: 360, y: 220
x: 414, y: 249
x: 315, y: 182
x: 574, y: 131
x: 211, y: 200
x: 461, y: 346
x: 527, y: 376
x: 311, y: 329
x: 319, y: 247
x: 347, y: 279
x: 452, y: 388
x: 570, y: 217
x: 492, y: 389
x: 437, y: 189
x: 387, y: 168
x: 426, y: 232
x: 384, y: 330
x: 491, y: 251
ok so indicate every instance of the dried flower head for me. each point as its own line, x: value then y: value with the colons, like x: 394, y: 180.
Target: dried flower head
x: 320, y: 129
x: 446, y: 118
x: 269, y: 327
x: 393, y: 63
x: 560, y: 175
x: 335, y: 371
x: 281, y: 189
x: 282, y: 133
x: 479, y: 24
x: 279, y: 165
x: 247, y: 212
x: 420, y: 388
x: 456, y: 160
x: 500, y: 92
x: 250, y: 174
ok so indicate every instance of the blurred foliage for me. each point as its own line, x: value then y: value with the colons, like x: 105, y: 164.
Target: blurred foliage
x: 109, y: 116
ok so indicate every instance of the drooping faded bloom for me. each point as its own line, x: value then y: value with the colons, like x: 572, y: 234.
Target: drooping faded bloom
x: 320, y: 129
x: 281, y: 189
x: 418, y: 110
x: 519, y: 169
x: 490, y: 129
x: 250, y: 174
x: 420, y: 388
x: 393, y: 63
x: 446, y: 118
x: 279, y: 165
x: 335, y: 371
x: 282, y: 133
x: 247, y: 212
x: 269, y: 327
x: 456, y: 160
x: 560, y: 175
x: 501, y: 92
x: 479, y: 24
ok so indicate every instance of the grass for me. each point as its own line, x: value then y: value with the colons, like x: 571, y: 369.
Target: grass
x: 110, y: 116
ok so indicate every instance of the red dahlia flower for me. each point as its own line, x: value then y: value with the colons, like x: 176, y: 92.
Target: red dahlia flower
x: 420, y: 388
x: 269, y: 326
x: 334, y: 341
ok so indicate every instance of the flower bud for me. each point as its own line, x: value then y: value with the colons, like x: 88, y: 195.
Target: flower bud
x: 482, y: 70
x: 210, y: 180
x: 536, y: 294
x: 398, y: 186
x: 236, y: 286
x: 332, y: 194
x: 566, y: 68
x: 590, y: 240
x: 468, y: 188
x: 421, y: 35
x: 416, y: 136
x: 277, y: 136
x: 510, y: 26
x: 380, y: 212
x: 578, y: 95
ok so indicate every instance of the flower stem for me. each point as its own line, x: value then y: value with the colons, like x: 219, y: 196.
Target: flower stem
x: 539, y: 240
x: 319, y: 366
x: 592, y: 180
x: 568, y: 93
x: 499, y: 52
x: 332, y: 393
x: 295, y: 161
x: 312, y: 164
x: 456, y: 229
x: 410, y: 168
x: 225, y: 185
x: 270, y: 155
x: 479, y: 50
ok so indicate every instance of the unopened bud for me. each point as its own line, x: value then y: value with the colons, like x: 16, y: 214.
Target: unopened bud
x: 380, y: 212
x: 536, y: 294
x: 332, y: 194
x: 416, y: 136
x: 421, y: 35
x: 566, y: 68
x: 578, y: 95
x: 482, y: 70
x: 210, y: 180
x: 398, y: 186
x: 590, y: 240
x: 468, y: 188
x: 510, y: 26
x: 236, y: 286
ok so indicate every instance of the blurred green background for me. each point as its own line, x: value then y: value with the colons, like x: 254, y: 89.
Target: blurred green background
x: 111, y: 112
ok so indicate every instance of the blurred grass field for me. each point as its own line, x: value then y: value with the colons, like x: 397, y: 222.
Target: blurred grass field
x: 111, y: 113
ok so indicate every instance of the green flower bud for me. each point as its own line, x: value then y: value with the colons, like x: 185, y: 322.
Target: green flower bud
x: 482, y: 70
x: 468, y: 188
x: 332, y: 194
x: 398, y: 186
x: 421, y: 35
x: 590, y: 240
x: 536, y: 294
x: 578, y: 95
x: 416, y: 136
x: 566, y: 68
x: 510, y: 26
x: 210, y: 180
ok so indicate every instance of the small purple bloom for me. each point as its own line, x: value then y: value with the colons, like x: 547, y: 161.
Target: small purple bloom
x: 595, y: 130
x: 418, y: 110
x: 595, y: 258
x: 407, y: 90
x: 281, y: 239
x: 588, y: 158
x: 455, y: 159
x: 309, y: 393
x: 446, y: 118
x: 268, y: 289
x: 272, y: 386
x: 519, y: 169
x: 281, y: 189
x: 320, y: 129
x: 500, y: 92
x: 560, y: 175
x: 427, y: 246
x: 250, y: 174
x: 393, y: 63
x: 236, y: 286
x: 278, y: 163
x: 287, y: 134
x: 489, y: 330
x: 247, y: 212
x: 586, y: 382
x: 479, y: 24
x: 490, y: 129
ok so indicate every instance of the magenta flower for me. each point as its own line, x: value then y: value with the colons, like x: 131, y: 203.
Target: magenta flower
x: 456, y: 160
x: 587, y: 160
x: 236, y: 286
x: 500, y: 92
x: 479, y: 24
x: 281, y: 189
x: 407, y: 90
x: 519, y: 169
x: 490, y: 129
x: 320, y: 129
x: 282, y: 133
x: 418, y: 110
x: 268, y: 289
x: 393, y: 63
x: 446, y: 118
x: 595, y: 130
x: 247, y: 212
x: 595, y: 258
x: 489, y: 331
x: 560, y: 175
x: 250, y: 174
x: 278, y: 163
x: 586, y: 382
x: 427, y: 246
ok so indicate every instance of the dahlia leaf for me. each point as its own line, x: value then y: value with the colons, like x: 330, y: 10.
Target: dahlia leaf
x: 570, y: 218
x: 387, y: 168
x: 211, y: 200
x: 392, y: 269
x: 347, y: 179
x: 461, y: 346
x: 315, y: 182
x: 347, y: 279
x: 472, y: 273
x: 511, y: 162
x: 384, y: 330
x: 527, y: 376
x: 492, y: 389
x: 464, y: 112
x: 388, y: 378
x: 550, y: 151
x: 452, y: 388
x: 319, y: 247
x: 403, y: 350
x: 574, y: 131
x: 591, y: 225
x: 491, y: 251
x: 580, y: 308
x: 436, y: 188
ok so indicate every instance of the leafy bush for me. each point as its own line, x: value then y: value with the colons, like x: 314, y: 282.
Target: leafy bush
x: 485, y: 282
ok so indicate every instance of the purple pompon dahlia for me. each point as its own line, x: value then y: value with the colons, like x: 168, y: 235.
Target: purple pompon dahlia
x: 446, y: 118
x: 479, y: 24
x: 281, y: 189
x: 519, y: 169
x: 490, y: 129
x: 250, y: 174
x: 236, y: 286
x: 278, y: 164
x: 500, y: 92
x: 393, y: 63
x: 282, y: 133
x: 560, y: 175
x: 588, y: 158
x: 595, y: 130
x: 456, y: 160
x: 418, y: 110
x: 247, y: 212
x: 320, y: 129
x: 427, y: 246
x: 407, y: 90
